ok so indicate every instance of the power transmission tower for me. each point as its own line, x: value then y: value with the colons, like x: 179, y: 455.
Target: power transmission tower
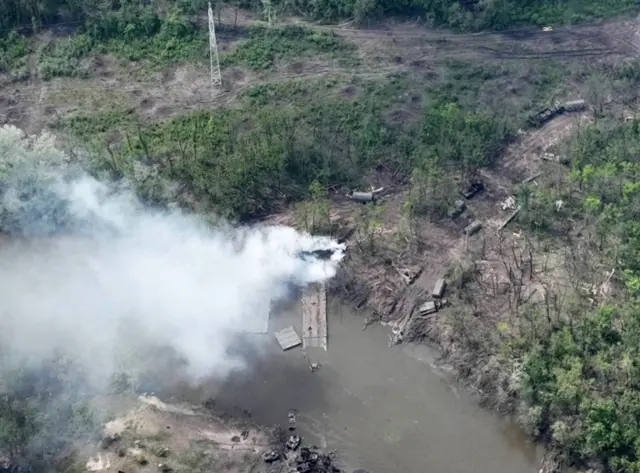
x: 267, y: 7
x: 216, y: 76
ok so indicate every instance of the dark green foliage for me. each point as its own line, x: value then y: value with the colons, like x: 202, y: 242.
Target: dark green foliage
x: 581, y: 371
x: 291, y: 42
x: 63, y: 59
x: 134, y: 33
x: 466, y: 14
x: 473, y: 140
x: 141, y: 34
x: 13, y: 52
x: 252, y: 161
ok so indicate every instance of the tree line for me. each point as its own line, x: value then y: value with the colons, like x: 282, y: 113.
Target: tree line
x: 458, y: 14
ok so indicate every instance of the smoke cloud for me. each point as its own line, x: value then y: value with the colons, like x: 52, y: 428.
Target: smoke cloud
x: 87, y: 265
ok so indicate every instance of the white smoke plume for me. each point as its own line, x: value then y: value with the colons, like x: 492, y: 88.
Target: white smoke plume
x: 116, y: 266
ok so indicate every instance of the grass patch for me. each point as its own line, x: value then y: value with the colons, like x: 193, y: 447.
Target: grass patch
x: 139, y: 36
x: 286, y: 92
x: 14, y: 52
x: 265, y: 46
x: 64, y: 58
x: 86, y: 126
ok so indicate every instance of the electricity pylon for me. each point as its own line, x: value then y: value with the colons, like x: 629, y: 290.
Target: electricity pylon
x: 216, y: 76
x: 267, y: 7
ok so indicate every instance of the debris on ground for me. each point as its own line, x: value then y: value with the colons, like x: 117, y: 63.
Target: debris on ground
x: 556, y: 158
x: 313, y: 366
x: 458, y: 208
x: 112, y: 433
x: 509, y: 203
x: 98, y: 463
x: 309, y: 460
x: 406, y: 329
x: 162, y: 452
x: 473, y: 189
x: 473, y: 227
x: 160, y: 437
x: 529, y: 179
x: 139, y: 456
x: 297, y: 459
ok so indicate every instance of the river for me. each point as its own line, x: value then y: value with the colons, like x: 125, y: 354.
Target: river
x: 384, y: 409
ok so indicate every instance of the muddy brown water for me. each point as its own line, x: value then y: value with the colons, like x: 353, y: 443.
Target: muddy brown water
x: 384, y: 409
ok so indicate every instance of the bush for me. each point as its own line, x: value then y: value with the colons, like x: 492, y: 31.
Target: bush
x: 291, y: 42
x: 14, y: 50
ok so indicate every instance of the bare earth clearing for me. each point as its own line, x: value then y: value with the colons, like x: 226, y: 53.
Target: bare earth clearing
x: 387, y: 49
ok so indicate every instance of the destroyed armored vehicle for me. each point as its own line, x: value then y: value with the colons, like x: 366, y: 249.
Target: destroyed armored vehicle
x: 294, y: 442
x: 271, y: 456
x: 473, y: 189
x: 543, y: 116
x: 428, y: 308
x: 547, y: 114
x: 323, y: 254
x: 307, y: 455
x: 458, y: 207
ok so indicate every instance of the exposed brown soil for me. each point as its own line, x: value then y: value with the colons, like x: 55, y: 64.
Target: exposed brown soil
x: 155, y: 436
